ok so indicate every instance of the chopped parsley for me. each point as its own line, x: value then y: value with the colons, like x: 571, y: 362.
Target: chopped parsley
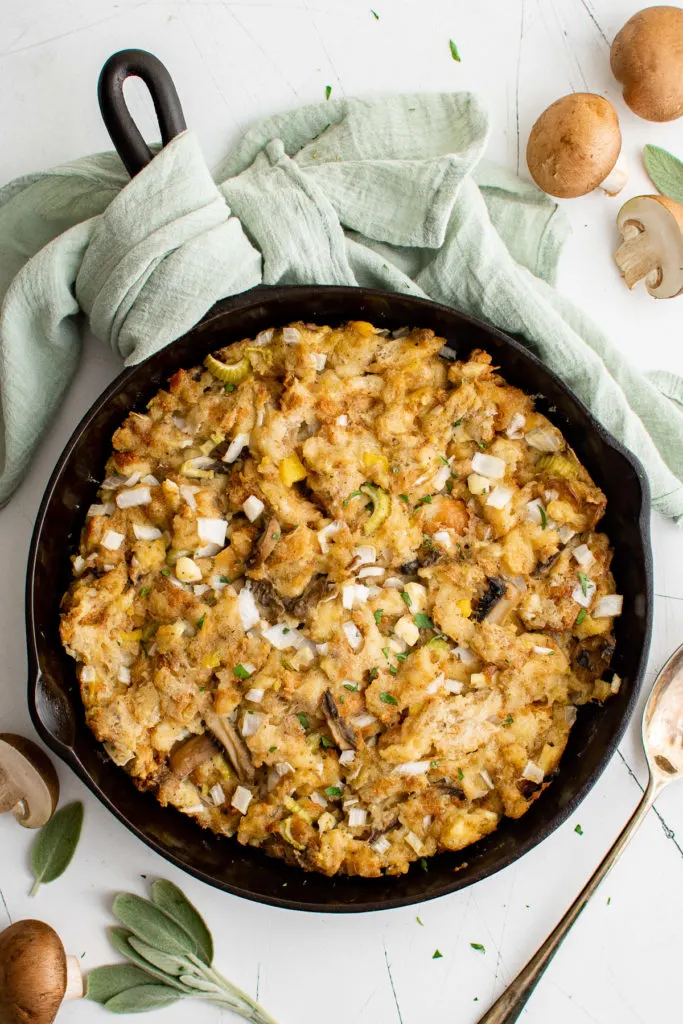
x: 374, y: 14
x: 580, y: 617
x: 241, y: 672
x: 393, y: 670
x: 386, y: 652
x: 483, y: 445
x: 325, y: 742
x: 276, y: 536
x: 378, y: 613
x: 426, y: 500
x: 401, y: 657
x: 423, y: 621
x: 433, y: 764
x: 544, y: 517
x: 478, y: 945
x: 165, y: 572
x: 578, y: 830
x: 583, y: 580
x: 395, y: 469
x: 436, y: 955
x: 419, y: 921
x: 388, y: 698
x: 457, y: 422
x: 508, y: 721
x: 332, y: 791
x: 404, y: 497
x: 351, y: 686
x: 373, y: 673
x: 144, y: 592
x: 461, y: 774
x: 224, y: 579
x: 444, y: 460
x: 423, y: 864
x: 229, y: 388
x: 303, y: 720
x: 353, y: 494
x: 200, y: 622
x: 406, y: 598
x: 271, y: 750
x: 328, y: 91
x: 454, y: 51
x: 427, y: 542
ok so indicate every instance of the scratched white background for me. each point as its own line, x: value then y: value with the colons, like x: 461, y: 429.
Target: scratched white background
x: 233, y: 61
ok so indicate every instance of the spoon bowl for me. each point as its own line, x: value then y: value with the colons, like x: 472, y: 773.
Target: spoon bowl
x: 663, y: 723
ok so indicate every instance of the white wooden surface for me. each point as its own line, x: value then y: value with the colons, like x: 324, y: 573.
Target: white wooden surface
x: 233, y: 61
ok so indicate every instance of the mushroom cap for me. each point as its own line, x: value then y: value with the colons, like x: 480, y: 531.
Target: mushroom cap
x: 647, y: 58
x: 574, y: 145
x: 28, y: 782
x: 662, y: 219
x: 33, y: 973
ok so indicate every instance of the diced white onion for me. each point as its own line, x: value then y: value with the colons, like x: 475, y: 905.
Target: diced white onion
x: 464, y: 655
x: 253, y: 507
x: 394, y: 583
x: 477, y: 484
x: 343, y: 420
x: 414, y: 842
x: 150, y: 480
x: 544, y: 439
x: 319, y: 359
x: 607, y: 606
x: 488, y: 465
x: 443, y: 538
x: 132, y: 479
x: 207, y: 550
x: 436, y: 685
x: 327, y: 532
x: 79, y: 564
x: 280, y: 636
x: 100, y: 510
x: 246, y: 606
x: 255, y: 695
x: 412, y: 768
x: 516, y: 426
x: 216, y: 583
x: 195, y: 809
x: 369, y: 571
x: 357, y: 817
x: 353, y: 635
x: 217, y: 794
x: 145, y: 531
x: 584, y: 556
x: 282, y: 768
x: 442, y: 475
x: 448, y: 353
x: 198, y: 462
x: 123, y: 674
x: 212, y: 531
x: 136, y: 496
x: 264, y: 337
x: 454, y: 685
x: 584, y: 599
x: 251, y: 723
x: 347, y: 756
x: 200, y: 588
x: 112, y: 540
x: 487, y: 778
x: 381, y: 845
x: 363, y: 720
x: 532, y: 772
x: 322, y: 648
x: 565, y: 534
x: 353, y: 595
x: 397, y: 645
x: 187, y: 571
x: 426, y: 821
x: 88, y: 674
x: 616, y: 683
x: 533, y: 511
x: 406, y: 629
x: 318, y: 799
x: 179, y: 422
x: 550, y: 494
x: 543, y: 650
x: 570, y: 714
x: 238, y: 442
x: 365, y: 554
x: 350, y: 803
x: 112, y: 483
x: 290, y: 335
x: 176, y: 583
x: 500, y: 496
x: 187, y: 492
x: 241, y: 799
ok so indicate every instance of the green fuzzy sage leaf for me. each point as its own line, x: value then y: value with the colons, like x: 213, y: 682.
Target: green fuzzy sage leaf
x: 152, y: 925
x: 171, y: 965
x: 55, y: 845
x: 120, y: 940
x: 169, y: 898
x: 665, y: 170
x: 106, y: 982
x: 142, y: 998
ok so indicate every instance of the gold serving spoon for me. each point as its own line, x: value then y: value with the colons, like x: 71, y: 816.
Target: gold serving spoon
x: 663, y: 743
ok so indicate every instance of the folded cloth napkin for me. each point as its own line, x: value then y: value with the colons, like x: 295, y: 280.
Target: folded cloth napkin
x: 390, y: 193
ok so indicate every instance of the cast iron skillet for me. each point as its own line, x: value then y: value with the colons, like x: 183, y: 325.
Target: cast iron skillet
x: 53, y: 695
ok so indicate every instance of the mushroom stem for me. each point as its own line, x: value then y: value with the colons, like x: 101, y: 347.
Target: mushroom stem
x: 617, y: 177
x: 74, y: 979
x: 637, y: 257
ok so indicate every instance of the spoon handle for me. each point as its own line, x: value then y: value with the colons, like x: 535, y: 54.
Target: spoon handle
x: 509, y: 1006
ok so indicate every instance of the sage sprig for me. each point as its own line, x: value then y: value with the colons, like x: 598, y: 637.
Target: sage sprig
x: 665, y: 170
x: 55, y: 845
x: 170, y: 950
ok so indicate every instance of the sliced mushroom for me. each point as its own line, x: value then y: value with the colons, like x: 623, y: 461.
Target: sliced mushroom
x: 238, y: 752
x: 652, y: 250
x: 36, y: 975
x: 266, y: 544
x: 191, y: 755
x: 342, y: 733
x: 317, y: 590
x: 267, y: 596
x: 496, y: 590
x: 646, y: 58
x: 575, y: 146
x: 543, y: 567
x: 29, y: 786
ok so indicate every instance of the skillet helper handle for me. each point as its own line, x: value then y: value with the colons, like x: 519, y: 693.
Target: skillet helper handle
x: 124, y: 133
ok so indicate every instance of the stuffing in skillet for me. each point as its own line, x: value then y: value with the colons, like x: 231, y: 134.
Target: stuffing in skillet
x: 341, y: 596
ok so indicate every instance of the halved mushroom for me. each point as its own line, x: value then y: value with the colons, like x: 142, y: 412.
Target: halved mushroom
x: 29, y: 786
x: 266, y: 544
x: 652, y: 250
x: 36, y: 975
x: 342, y: 733
x: 575, y: 147
x: 497, y: 601
x: 647, y: 58
x: 191, y: 755
x: 238, y: 752
x: 316, y: 591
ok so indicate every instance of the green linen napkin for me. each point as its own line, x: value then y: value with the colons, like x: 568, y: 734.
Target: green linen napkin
x: 390, y: 193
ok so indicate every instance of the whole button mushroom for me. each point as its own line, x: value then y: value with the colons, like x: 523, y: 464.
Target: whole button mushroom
x: 36, y: 975
x: 575, y: 147
x: 29, y: 786
x: 647, y: 58
x: 652, y: 250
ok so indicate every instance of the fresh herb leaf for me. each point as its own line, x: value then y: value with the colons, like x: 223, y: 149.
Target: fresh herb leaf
x: 378, y: 613
x: 423, y: 864
x: 141, y: 998
x: 461, y: 774
x: 224, y: 579
x: 229, y: 388
x: 444, y: 460
x: 665, y: 170
x: 173, y: 901
x: 372, y: 674
x: 436, y: 955
x: 457, y: 423
x: 419, y: 921
x: 351, y: 686
x: 386, y: 652
x: 425, y: 500
x: 478, y: 945
x: 581, y: 616
x: 401, y: 657
x: 406, y: 598
x: 55, y: 845
x: 422, y: 621
x: 121, y: 939
x: 303, y: 720
x: 427, y: 542
x: 325, y: 742
x: 374, y: 14
x: 144, y: 592
x: 454, y: 51
x: 353, y: 494
x: 388, y: 698
x: 328, y: 91
x: 271, y: 750
x: 106, y: 982
x: 165, y: 572
x: 544, y: 517
x: 200, y: 622
x: 393, y: 670
x: 508, y: 721
x: 276, y: 536
x: 332, y: 791
x: 433, y: 764
x: 483, y: 445
x: 241, y: 672
x: 578, y: 830
x: 404, y: 497
x: 583, y: 580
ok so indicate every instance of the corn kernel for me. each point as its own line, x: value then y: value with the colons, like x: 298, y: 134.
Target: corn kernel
x: 375, y: 459
x: 363, y: 328
x: 212, y: 660
x: 464, y: 606
x: 291, y: 470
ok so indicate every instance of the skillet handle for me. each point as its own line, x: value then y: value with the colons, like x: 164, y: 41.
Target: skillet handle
x: 122, y: 129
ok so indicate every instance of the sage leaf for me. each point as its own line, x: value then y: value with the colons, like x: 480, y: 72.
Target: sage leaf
x: 142, y: 998
x: 173, y: 965
x: 55, y: 845
x: 106, y: 982
x: 119, y: 939
x: 152, y: 925
x: 169, y: 898
x: 200, y: 984
x: 665, y: 170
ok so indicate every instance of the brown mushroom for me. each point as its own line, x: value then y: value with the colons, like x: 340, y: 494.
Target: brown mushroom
x: 647, y: 58
x: 238, y: 752
x: 652, y: 250
x: 575, y: 147
x: 29, y: 786
x: 36, y: 975
x: 342, y: 733
x: 191, y: 755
